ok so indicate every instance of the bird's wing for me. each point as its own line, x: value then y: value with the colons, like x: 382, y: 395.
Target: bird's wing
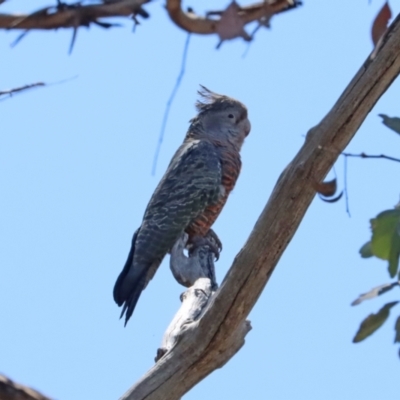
x: 191, y: 183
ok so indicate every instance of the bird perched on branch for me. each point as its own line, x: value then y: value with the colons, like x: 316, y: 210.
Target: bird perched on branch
x: 191, y: 193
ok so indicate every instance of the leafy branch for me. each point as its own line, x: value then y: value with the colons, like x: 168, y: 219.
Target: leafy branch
x: 384, y: 244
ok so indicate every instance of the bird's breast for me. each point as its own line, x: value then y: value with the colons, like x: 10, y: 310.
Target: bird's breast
x: 230, y: 169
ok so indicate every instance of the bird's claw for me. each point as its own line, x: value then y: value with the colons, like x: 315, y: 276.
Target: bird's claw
x: 214, y: 237
x: 208, y: 240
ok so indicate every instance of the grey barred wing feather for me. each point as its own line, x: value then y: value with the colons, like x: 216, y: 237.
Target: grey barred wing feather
x: 191, y: 183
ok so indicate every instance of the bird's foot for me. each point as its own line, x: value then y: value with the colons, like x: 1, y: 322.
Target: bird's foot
x: 214, y: 238
x: 210, y: 240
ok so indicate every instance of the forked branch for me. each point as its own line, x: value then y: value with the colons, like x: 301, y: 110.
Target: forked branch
x: 73, y: 15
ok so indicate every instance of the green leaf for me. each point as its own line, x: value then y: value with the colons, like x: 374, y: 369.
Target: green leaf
x: 373, y: 322
x: 397, y: 329
x: 391, y: 122
x: 366, y: 250
x: 385, y: 243
x: 394, y: 257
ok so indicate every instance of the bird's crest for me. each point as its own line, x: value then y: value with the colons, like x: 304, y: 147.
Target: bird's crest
x: 207, y: 97
x: 211, y: 100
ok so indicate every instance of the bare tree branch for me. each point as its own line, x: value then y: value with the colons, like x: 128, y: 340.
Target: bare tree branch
x: 191, y: 22
x: 76, y: 15
x: 73, y: 15
x: 10, y: 390
x: 10, y: 92
x: 363, y: 155
x: 204, y: 344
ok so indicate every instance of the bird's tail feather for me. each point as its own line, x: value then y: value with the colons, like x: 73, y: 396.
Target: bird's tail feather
x: 130, y: 302
x: 118, y: 292
x: 130, y: 284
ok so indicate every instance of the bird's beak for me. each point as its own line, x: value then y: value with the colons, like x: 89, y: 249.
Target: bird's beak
x: 247, y: 127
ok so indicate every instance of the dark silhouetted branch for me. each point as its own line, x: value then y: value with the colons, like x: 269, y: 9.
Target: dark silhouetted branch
x: 78, y: 14
x: 11, y: 92
x: 363, y: 155
x: 73, y: 15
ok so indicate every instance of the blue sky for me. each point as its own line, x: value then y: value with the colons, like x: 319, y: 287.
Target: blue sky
x: 75, y: 172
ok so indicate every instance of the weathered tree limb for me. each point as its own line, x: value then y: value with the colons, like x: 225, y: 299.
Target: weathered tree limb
x: 194, y: 301
x: 198, y: 273
x: 73, y: 15
x: 198, y: 351
x: 9, y: 390
x: 191, y: 22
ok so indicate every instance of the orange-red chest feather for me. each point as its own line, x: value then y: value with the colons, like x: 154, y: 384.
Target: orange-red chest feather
x: 230, y: 169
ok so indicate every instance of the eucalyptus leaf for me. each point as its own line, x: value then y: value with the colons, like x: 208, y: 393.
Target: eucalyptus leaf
x: 397, y: 330
x: 366, y: 250
x: 385, y: 243
x: 373, y: 322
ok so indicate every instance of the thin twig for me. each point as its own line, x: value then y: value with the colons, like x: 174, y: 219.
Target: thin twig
x: 19, y: 38
x: 10, y: 92
x: 346, y: 196
x: 168, y: 106
x: 265, y: 21
x: 363, y: 155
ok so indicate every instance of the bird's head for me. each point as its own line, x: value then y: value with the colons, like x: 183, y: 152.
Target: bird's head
x: 220, y: 118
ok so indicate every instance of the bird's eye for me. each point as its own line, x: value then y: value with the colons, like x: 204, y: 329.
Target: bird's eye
x: 230, y: 116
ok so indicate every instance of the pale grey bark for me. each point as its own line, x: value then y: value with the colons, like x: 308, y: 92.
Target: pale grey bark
x: 197, y: 272
x: 207, y: 343
x: 194, y: 301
